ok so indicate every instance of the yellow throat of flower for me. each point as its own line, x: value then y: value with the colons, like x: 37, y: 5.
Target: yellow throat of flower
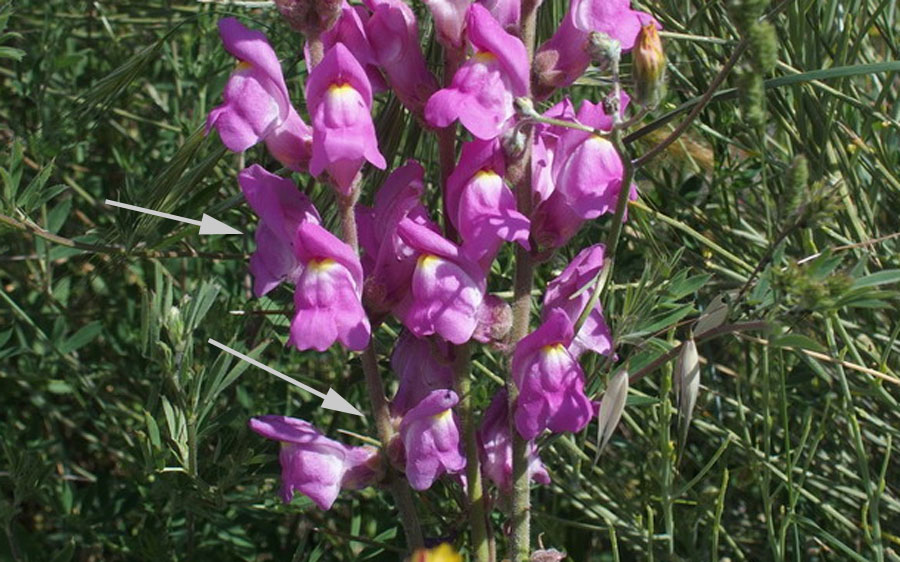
x: 441, y: 553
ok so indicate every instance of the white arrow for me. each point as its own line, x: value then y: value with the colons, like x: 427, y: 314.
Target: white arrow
x: 331, y: 401
x: 208, y: 225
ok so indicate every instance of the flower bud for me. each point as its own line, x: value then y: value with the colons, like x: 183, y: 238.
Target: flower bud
x: 649, y: 67
x: 687, y: 380
x: 611, y: 407
x: 309, y: 17
x: 603, y: 50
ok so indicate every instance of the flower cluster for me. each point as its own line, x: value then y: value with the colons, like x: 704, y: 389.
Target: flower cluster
x: 402, y: 264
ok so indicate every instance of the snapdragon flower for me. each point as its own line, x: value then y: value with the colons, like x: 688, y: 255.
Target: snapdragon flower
x: 314, y: 465
x: 388, y: 260
x: 579, y: 175
x: 339, y: 97
x: 327, y: 298
x: 423, y: 365
x: 480, y: 204
x: 394, y: 36
x: 257, y: 107
x: 482, y: 91
x: 449, y: 21
x: 569, y: 293
x: 495, y: 446
x: 506, y: 12
x: 281, y: 207
x: 564, y: 57
x: 550, y: 381
x: 350, y: 31
x: 430, y: 435
x: 447, y: 288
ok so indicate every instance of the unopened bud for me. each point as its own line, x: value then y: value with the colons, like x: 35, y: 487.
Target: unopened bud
x: 649, y: 68
x: 603, y: 50
x: 611, y: 407
x: 687, y: 380
x: 175, y: 324
x: 310, y: 17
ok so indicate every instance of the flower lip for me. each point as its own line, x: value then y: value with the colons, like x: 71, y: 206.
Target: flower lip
x: 250, y: 46
x: 489, y: 37
x: 339, y: 67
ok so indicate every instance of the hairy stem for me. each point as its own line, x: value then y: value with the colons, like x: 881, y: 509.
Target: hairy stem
x: 519, y: 173
x: 375, y: 386
x: 475, y: 486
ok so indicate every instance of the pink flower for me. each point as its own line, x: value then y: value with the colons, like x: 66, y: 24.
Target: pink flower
x: 480, y: 204
x: 449, y: 20
x: 340, y: 101
x: 315, y: 465
x: 482, y: 92
x: 257, y: 107
x: 506, y: 12
x: 594, y: 335
x: 550, y: 381
x: 350, y: 30
x: 327, y: 294
x: 281, y: 208
x: 579, y: 176
x: 543, y: 155
x: 389, y: 262
x: 495, y: 446
x: 394, y: 36
x: 422, y: 365
x: 430, y: 436
x: 562, y: 59
x: 447, y: 288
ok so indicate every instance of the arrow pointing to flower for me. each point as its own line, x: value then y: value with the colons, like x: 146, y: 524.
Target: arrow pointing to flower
x: 330, y: 401
x: 208, y: 225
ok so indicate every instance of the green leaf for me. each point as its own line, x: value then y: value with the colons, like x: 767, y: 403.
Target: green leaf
x: 82, y: 337
x: 879, y: 278
x: 798, y: 341
x: 683, y: 287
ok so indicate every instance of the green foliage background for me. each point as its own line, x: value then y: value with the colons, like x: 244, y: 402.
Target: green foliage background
x: 124, y: 434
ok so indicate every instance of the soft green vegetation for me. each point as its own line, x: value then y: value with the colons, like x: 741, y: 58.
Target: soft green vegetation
x: 124, y: 434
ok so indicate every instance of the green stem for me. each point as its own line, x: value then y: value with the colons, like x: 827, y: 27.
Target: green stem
x: 519, y: 172
x: 475, y: 487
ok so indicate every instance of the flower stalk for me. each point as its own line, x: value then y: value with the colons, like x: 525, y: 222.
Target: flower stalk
x: 520, y: 174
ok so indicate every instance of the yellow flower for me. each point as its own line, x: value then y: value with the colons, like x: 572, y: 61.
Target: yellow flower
x: 441, y: 553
